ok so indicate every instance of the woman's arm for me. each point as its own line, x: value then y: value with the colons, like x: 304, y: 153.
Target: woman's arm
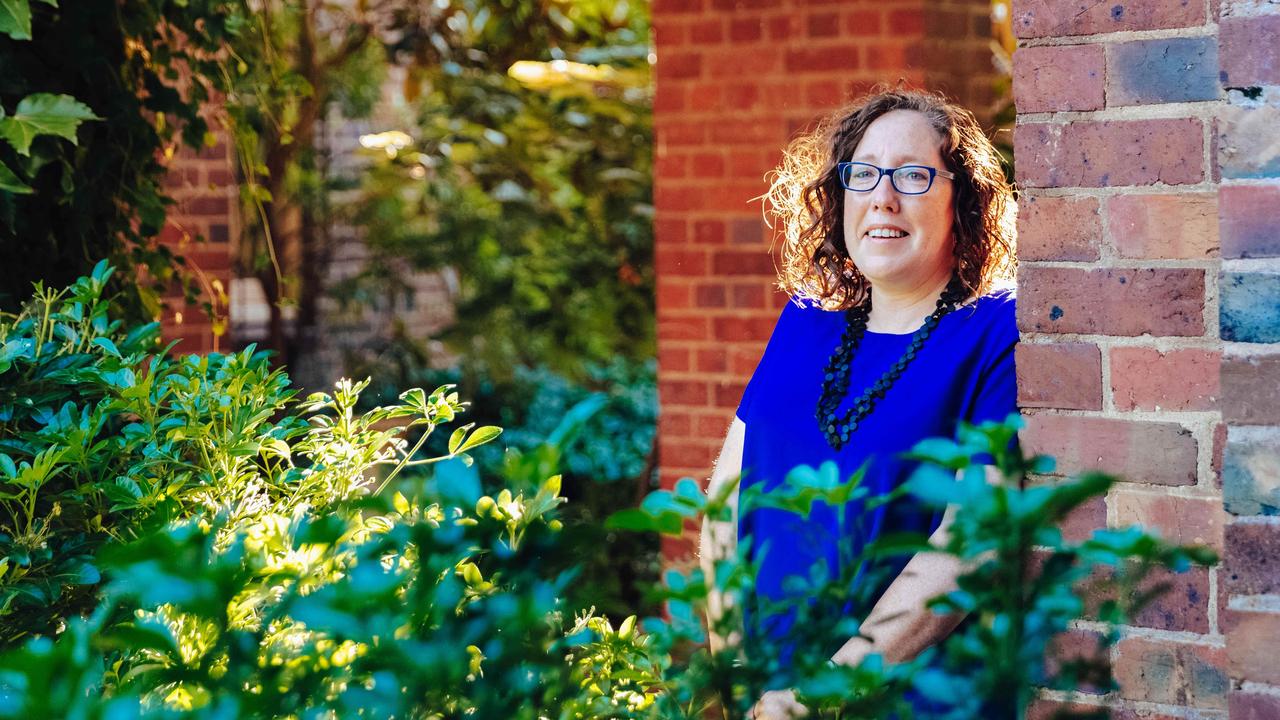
x: 900, y: 626
x: 719, y: 540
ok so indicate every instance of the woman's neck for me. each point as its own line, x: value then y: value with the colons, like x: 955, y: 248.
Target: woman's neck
x: 902, y: 309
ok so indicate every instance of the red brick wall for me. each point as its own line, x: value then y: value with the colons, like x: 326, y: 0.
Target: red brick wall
x: 200, y: 227
x: 1145, y: 149
x: 735, y: 80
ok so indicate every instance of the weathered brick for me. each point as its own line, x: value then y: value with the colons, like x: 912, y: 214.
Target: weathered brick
x: 709, y: 232
x: 1080, y: 523
x: 1048, y: 18
x: 1111, y: 301
x: 1251, y: 646
x: 727, y: 394
x: 1143, y: 452
x: 1172, y: 673
x: 1247, y: 306
x: 1141, y: 379
x: 673, y: 359
x: 742, y: 262
x: 1182, y: 520
x: 1251, y: 562
x: 1162, y: 71
x: 1109, y: 153
x: 1184, y: 604
x: 1251, y: 389
x: 748, y: 296
x: 1163, y: 226
x: 685, y: 453
x: 677, y: 65
x: 1253, y: 706
x: 1249, y: 220
x: 1251, y: 471
x: 712, y: 360
x: 744, y: 327
x: 1060, y: 375
x: 1246, y: 141
x: 682, y: 328
x: 863, y: 23
x: 1056, y: 78
x: 822, y: 25
x: 1078, y: 647
x: 1058, y: 228
x: 709, y: 296
x: 746, y: 231
x: 1250, y: 53
x: 746, y: 30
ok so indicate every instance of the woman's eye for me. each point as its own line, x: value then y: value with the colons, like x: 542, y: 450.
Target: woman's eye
x: 916, y: 175
x: 861, y: 174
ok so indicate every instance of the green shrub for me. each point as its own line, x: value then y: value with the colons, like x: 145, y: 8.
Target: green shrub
x: 309, y: 560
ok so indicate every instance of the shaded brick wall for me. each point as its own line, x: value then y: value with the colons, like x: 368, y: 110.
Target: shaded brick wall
x: 200, y: 227
x: 1147, y: 153
x: 735, y: 79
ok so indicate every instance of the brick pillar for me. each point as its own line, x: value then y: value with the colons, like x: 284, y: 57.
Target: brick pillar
x: 200, y: 226
x: 734, y: 80
x: 1145, y: 150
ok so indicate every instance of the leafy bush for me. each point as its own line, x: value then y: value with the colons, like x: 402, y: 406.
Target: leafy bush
x: 282, y: 560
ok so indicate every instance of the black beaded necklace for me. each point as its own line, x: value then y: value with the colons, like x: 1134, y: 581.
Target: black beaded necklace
x: 835, y: 383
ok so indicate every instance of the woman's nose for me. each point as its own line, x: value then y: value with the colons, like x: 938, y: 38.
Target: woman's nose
x: 884, y: 196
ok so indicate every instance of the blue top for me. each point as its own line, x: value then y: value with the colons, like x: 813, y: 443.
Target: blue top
x: 964, y: 371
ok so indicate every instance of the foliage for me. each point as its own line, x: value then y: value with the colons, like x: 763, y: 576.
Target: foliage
x: 269, y: 559
x: 527, y: 172
x: 94, y: 95
x: 599, y: 434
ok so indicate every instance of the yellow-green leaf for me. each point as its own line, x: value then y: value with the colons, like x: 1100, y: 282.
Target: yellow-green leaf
x: 44, y: 114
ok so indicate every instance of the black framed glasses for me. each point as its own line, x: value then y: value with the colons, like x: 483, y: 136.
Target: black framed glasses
x: 908, y: 179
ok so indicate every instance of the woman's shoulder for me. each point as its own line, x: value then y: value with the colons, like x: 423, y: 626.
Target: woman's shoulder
x: 993, y: 314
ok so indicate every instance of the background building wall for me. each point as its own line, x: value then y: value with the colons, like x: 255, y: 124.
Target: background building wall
x: 735, y: 80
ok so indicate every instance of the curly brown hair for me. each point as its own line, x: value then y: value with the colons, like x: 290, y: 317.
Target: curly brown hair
x: 806, y: 200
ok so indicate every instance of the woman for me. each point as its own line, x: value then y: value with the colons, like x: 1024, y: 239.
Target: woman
x: 899, y: 246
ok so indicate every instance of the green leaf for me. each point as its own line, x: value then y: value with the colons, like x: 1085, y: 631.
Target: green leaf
x: 481, y: 436
x: 10, y: 182
x: 44, y: 114
x: 106, y: 344
x: 15, y: 19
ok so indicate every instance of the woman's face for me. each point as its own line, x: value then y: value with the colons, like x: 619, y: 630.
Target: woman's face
x: 924, y: 253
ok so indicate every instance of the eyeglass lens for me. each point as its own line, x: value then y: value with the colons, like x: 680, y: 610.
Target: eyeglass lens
x: 909, y: 179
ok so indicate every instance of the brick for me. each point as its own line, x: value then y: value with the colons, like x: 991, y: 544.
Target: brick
x: 1251, y: 561
x: 742, y: 262
x: 1137, y: 451
x: 1249, y: 220
x: 1250, y: 54
x: 709, y: 296
x: 1251, y: 646
x: 216, y: 206
x: 1166, y: 70
x: 673, y: 261
x: 748, y: 296
x: 746, y: 231
x: 1081, y: 648
x: 680, y: 133
x: 675, y: 65
x: 906, y: 21
x: 1180, y: 520
x: 664, y: 7
x: 1049, y: 18
x: 1253, y: 706
x: 682, y: 328
x: 1141, y: 379
x: 746, y: 31
x: 684, y: 392
x: 1183, y: 606
x: 743, y: 327
x: 713, y: 427
x: 707, y: 32
x: 1164, y: 227
x: 824, y: 25
x: 671, y: 166
x: 1251, y: 471
x: 709, y: 232
x: 1109, y: 153
x: 669, y: 232
x: 1247, y: 306
x: 1246, y: 140
x: 823, y: 59
x: 707, y: 165
x: 761, y: 61
x: 1052, y: 79
x: 1060, y: 375
x: 668, y: 97
x: 1251, y: 389
x: 729, y: 394
x: 712, y: 360
x: 1172, y: 673
x: 1080, y: 523
x: 1058, y: 228
x: 863, y: 23
x: 1162, y: 302
x: 675, y: 424
x: 684, y: 454
x: 741, y: 96
x: 673, y: 359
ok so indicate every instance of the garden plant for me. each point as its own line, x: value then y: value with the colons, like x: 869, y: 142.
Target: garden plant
x: 184, y: 537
